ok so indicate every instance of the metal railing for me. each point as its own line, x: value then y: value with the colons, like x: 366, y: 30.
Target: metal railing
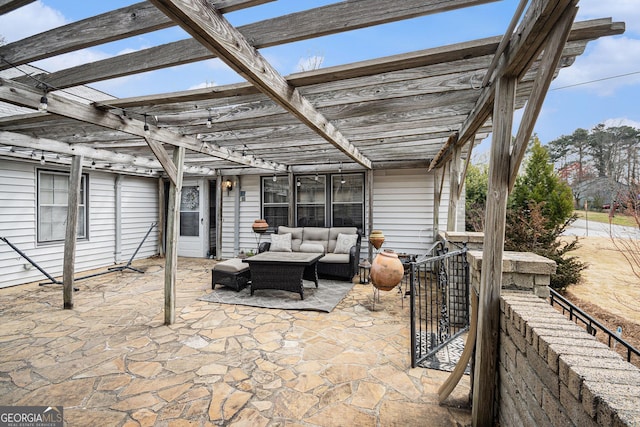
x: 591, y: 325
x: 439, y: 289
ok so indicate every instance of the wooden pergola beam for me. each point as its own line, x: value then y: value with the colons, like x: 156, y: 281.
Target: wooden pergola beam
x: 22, y: 95
x: 210, y: 28
x: 321, y: 21
x: 550, y: 59
x: 125, y: 22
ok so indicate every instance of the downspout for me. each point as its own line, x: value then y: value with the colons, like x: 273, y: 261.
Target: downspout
x: 117, y: 189
x: 236, y: 216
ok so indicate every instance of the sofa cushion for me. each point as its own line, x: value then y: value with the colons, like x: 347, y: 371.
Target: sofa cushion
x: 333, y: 235
x: 296, y: 236
x: 316, y: 235
x: 335, y: 259
x: 312, y: 248
x: 280, y: 242
x: 344, y: 243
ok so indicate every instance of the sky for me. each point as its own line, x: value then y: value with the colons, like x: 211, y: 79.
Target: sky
x: 602, y: 86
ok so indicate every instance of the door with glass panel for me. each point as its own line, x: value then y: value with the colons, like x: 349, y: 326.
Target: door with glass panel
x: 192, y: 239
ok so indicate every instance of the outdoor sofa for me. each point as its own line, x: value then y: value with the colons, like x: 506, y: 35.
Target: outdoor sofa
x: 340, y: 247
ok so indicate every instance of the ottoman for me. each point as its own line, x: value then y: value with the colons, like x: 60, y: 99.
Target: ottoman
x: 232, y: 273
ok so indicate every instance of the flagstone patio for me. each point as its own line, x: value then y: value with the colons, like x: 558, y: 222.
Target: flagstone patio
x: 110, y: 361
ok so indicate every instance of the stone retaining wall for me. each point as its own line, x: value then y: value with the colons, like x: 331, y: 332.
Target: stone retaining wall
x: 553, y: 373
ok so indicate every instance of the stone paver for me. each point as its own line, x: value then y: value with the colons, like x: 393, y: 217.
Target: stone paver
x: 111, y: 361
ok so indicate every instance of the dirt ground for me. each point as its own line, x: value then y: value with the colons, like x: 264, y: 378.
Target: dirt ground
x: 609, y: 290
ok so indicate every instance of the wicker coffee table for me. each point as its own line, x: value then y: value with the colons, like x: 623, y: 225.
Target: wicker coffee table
x: 283, y: 270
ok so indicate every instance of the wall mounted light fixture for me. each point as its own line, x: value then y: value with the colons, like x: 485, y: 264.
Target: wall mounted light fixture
x: 228, y: 184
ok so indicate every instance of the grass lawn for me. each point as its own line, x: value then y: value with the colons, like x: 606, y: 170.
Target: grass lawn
x: 618, y: 219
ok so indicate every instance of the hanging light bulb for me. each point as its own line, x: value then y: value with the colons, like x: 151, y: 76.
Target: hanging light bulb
x: 316, y: 178
x: 42, y: 161
x: 93, y: 164
x: 342, y: 181
x: 146, y: 126
x: 298, y: 183
x: 209, y: 122
x: 275, y: 178
x: 44, y: 104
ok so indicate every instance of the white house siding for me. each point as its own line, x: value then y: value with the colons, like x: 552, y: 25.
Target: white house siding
x: 139, y: 210
x: 246, y: 187
x: 403, y: 208
x: 18, y: 206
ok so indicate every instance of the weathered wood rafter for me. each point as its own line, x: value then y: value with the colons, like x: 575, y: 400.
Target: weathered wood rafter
x: 19, y: 94
x: 211, y: 29
x: 330, y: 19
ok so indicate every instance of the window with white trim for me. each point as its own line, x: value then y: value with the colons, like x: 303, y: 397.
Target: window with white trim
x: 53, y: 196
x: 320, y: 201
x: 275, y: 201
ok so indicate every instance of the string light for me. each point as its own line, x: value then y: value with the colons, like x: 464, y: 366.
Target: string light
x: 93, y: 164
x: 275, y: 178
x: 209, y: 122
x: 42, y: 161
x: 146, y: 126
x: 44, y: 102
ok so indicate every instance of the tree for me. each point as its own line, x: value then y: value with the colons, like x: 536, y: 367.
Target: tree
x: 476, y: 183
x: 540, y: 184
x: 571, y: 149
x: 539, y: 210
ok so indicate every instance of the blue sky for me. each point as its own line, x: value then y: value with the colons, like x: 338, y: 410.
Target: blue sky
x: 602, y: 86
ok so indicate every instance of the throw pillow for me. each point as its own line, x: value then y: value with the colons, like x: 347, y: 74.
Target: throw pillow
x: 312, y: 248
x: 344, y: 243
x: 280, y: 242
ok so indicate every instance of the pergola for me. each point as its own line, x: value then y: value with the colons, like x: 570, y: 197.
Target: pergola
x: 419, y: 109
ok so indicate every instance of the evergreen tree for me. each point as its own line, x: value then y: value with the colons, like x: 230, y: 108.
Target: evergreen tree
x: 540, y: 184
x: 539, y: 210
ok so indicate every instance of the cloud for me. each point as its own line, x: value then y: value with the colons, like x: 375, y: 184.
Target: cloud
x: 71, y: 59
x: 29, y: 20
x: 626, y: 11
x: 609, y: 64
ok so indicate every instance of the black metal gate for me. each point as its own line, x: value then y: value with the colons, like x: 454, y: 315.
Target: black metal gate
x: 439, y: 301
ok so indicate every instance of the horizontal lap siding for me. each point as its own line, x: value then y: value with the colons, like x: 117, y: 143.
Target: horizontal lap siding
x: 18, y: 206
x: 97, y: 251
x: 139, y: 211
x: 403, y: 208
x: 17, y: 224
x: 249, y: 211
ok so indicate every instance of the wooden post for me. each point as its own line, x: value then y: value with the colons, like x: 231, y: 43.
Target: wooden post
x: 438, y: 183
x: 71, y: 232
x: 454, y: 185
x: 292, y: 201
x: 173, y: 227
x: 219, y: 217
x: 162, y: 216
x: 369, y: 177
x: 484, y: 386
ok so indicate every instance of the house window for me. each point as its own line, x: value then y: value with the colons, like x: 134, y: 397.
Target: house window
x: 311, y: 201
x: 320, y: 201
x: 347, y: 200
x: 53, y: 195
x: 275, y: 201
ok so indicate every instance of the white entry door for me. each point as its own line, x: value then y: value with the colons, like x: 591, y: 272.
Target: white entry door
x: 191, y: 241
